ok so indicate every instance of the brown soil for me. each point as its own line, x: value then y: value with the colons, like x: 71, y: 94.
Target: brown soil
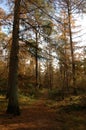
x: 40, y: 116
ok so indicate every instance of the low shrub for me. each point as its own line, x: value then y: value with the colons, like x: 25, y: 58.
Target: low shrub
x: 30, y: 90
x: 56, y: 94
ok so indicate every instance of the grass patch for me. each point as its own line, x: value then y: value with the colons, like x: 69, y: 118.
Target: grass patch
x: 25, y: 100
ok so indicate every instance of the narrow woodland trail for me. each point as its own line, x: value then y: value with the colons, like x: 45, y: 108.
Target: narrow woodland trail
x: 40, y: 116
x: 36, y: 116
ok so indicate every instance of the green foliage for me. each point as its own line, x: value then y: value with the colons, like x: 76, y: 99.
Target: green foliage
x: 55, y: 94
x: 3, y: 86
x: 76, y: 103
x: 25, y: 100
x: 47, y: 28
x: 81, y: 86
x: 30, y: 90
x: 73, y: 107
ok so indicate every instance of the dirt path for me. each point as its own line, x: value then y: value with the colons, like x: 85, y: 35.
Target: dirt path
x: 36, y: 116
x: 39, y: 116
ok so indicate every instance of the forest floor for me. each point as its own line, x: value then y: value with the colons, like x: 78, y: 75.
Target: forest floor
x: 44, y: 114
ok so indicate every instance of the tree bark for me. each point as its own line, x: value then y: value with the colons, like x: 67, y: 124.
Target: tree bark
x: 13, y: 105
x: 36, y: 58
x: 71, y: 46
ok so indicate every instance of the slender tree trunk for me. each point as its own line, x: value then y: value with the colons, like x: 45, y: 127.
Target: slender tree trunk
x: 72, y: 50
x: 65, y: 61
x: 39, y: 75
x: 13, y: 105
x: 50, y: 70
x: 50, y: 75
x: 36, y: 59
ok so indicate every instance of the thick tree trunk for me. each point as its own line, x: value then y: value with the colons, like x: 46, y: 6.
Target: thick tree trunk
x: 13, y: 106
